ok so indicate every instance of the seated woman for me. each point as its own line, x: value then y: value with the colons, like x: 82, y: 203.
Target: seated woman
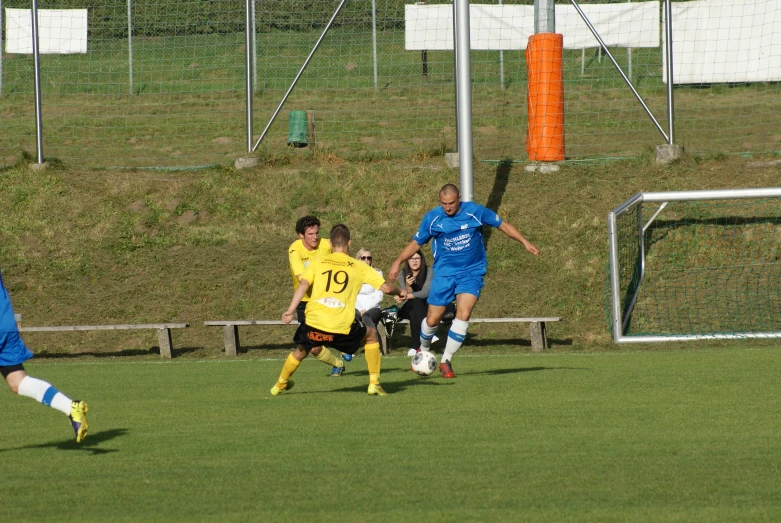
x: 415, y: 278
x: 367, y: 305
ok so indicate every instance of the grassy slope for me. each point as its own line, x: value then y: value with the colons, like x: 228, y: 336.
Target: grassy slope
x: 93, y: 247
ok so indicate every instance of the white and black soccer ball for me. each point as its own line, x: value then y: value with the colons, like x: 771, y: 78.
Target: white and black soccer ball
x: 424, y: 363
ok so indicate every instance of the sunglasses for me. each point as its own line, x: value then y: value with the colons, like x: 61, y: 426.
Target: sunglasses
x: 365, y: 258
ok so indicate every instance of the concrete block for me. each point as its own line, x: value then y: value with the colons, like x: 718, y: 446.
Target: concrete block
x: 667, y: 153
x: 451, y: 160
x: 245, y: 162
x: 542, y: 168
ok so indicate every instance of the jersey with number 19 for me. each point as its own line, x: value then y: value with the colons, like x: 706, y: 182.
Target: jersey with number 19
x: 457, y: 244
x: 335, y: 281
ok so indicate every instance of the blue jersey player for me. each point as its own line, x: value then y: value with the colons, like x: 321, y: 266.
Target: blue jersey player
x: 13, y: 353
x: 455, y: 230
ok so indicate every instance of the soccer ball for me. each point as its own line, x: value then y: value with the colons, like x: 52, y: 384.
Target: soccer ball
x: 424, y: 363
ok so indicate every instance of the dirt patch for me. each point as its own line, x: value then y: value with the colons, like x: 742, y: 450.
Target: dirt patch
x: 222, y: 140
x: 368, y: 139
x: 350, y: 66
x: 138, y: 206
x: 173, y: 204
x: 302, y: 211
x: 187, y: 217
x: 488, y: 129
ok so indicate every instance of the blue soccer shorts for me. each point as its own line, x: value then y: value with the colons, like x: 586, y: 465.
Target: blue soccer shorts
x: 445, y: 288
x: 12, y: 350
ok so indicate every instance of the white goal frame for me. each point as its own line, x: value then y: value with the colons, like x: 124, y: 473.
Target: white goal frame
x: 619, y: 319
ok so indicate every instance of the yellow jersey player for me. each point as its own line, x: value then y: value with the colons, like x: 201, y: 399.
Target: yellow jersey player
x: 335, y: 280
x: 301, y: 252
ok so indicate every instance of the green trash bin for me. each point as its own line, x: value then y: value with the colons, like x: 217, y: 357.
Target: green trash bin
x: 296, y: 135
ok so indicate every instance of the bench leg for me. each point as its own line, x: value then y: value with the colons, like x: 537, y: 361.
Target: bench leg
x: 539, y: 337
x: 231, y: 337
x: 382, y: 334
x: 164, y: 340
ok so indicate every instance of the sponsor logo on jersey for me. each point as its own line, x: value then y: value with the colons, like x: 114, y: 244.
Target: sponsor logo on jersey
x: 331, y: 303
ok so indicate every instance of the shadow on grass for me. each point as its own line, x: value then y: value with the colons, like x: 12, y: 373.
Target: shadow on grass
x: 473, y: 340
x: 497, y: 193
x: 88, y: 445
x: 113, y: 354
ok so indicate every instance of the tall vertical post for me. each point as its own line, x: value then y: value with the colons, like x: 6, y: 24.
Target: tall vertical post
x: 544, y: 16
x: 668, y: 32
x: 37, y: 65
x: 130, y: 45
x: 464, y: 100
x: 455, y: 70
x: 254, y: 50
x: 374, y: 40
x: 629, y: 56
x: 248, y: 44
x: 1, y: 47
x: 501, y: 64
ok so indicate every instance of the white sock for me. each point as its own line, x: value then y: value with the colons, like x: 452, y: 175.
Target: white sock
x: 426, y: 333
x: 43, y: 392
x: 455, y: 338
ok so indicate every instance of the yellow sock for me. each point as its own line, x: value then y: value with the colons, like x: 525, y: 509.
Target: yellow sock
x: 327, y: 357
x: 290, y: 366
x: 373, y: 359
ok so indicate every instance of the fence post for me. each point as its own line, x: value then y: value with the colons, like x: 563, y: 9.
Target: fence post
x: 130, y: 44
x: 37, y: 64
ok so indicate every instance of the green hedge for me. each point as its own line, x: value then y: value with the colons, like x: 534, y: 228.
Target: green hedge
x: 108, y: 18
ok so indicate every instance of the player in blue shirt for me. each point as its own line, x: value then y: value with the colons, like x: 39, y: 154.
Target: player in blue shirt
x: 455, y: 230
x: 13, y: 353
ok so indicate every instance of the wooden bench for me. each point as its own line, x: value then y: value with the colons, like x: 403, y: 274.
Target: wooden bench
x: 231, y: 331
x: 537, y: 330
x: 163, y: 331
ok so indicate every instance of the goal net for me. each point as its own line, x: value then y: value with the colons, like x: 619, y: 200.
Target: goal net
x: 696, y: 265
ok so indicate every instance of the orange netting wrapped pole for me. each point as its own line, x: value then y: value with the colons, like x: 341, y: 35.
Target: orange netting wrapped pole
x: 545, y: 135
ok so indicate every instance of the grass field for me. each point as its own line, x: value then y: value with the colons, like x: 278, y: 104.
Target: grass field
x: 668, y: 435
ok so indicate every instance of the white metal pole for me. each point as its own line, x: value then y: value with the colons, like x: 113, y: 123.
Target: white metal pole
x: 455, y: 68
x: 37, y: 64
x: 668, y: 30
x: 501, y: 64
x: 254, y: 51
x: 374, y: 40
x: 1, y: 47
x: 130, y: 44
x: 629, y: 55
x: 248, y: 45
x: 464, y: 100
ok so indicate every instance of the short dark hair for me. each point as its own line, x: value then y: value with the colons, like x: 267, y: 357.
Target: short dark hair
x: 449, y: 188
x: 306, y: 222
x: 340, y: 235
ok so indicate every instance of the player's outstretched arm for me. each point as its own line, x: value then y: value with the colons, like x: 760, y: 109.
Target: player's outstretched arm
x: 511, y: 232
x: 287, y: 316
x: 388, y: 288
x: 406, y: 253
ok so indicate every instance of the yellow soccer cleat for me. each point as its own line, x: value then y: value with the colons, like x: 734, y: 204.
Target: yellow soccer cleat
x: 376, y: 390
x: 78, y: 417
x: 276, y: 390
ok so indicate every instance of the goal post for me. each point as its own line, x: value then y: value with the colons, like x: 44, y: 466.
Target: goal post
x: 690, y: 265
